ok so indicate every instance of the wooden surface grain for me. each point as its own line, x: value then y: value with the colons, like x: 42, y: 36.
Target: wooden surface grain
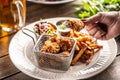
x: 34, y: 12
x: 37, y: 11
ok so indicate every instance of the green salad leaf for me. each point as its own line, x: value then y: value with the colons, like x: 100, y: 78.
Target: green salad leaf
x: 88, y: 8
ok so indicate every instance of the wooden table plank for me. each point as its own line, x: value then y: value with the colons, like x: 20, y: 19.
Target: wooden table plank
x: 111, y: 73
x: 7, y: 68
x: 20, y: 76
x: 4, y: 45
x: 49, y: 11
x: 34, y: 12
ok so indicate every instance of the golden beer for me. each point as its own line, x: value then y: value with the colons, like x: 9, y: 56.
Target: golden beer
x: 12, y: 14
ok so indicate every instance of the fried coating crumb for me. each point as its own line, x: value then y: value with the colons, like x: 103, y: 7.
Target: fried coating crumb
x: 50, y: 47
x: 75, y: 25
x: 57, y: 45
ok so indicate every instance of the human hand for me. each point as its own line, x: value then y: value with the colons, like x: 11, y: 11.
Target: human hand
x: 104, y: 25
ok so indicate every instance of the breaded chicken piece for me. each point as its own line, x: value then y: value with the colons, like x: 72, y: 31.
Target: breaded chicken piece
x: 50, y: 47
x: 56, y: 44
x: 65, y: 44
x: 75, y: 24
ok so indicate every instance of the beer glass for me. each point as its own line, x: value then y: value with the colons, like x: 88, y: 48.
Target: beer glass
x: 12, y: 15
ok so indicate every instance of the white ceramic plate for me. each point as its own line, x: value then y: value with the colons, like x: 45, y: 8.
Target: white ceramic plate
x: 22, y: 56
x: 50, y: 2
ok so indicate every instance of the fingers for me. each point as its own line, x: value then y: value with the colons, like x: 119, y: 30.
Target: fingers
x: 96, y: 32
x: 92, y: 26
x: 92, y: 31
x: 101, y: 25
x: 91, y: 23
x: 94, y: 19
x: 99, y: 34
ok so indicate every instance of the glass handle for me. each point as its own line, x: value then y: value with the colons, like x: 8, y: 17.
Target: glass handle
x: 17, y: 8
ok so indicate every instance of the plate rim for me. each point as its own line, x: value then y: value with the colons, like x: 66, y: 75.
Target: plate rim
x: 51, y: 3
x: 44, y: 78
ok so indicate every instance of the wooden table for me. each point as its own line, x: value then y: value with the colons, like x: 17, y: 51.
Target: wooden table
x: 34, y: 12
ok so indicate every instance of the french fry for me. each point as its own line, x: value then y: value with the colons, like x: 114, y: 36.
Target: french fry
x: 98, y: 48
x: 72, y: 34
x: 76, y: 58
x: 87, y: 51
x: 84, y: 44
x: 88, y: 61
x: 77, y: 47
x: 80, y: 39
x: 76, y: 34
x: 79, y: 44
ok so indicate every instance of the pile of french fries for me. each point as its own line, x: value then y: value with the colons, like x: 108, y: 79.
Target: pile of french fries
x: 86, y: 47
